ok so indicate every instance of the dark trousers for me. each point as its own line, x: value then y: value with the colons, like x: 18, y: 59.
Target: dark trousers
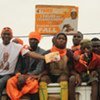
x: 35, y: 96
x: 3, y: 81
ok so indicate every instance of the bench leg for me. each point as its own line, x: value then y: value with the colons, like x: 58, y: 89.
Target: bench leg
x: 64, y: 90
x: 4, y: 97
x: 43, y: 93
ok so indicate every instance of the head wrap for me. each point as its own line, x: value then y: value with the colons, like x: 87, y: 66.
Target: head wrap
x: 7, y: 30
x: 56, y: 36
x: 35, y: 35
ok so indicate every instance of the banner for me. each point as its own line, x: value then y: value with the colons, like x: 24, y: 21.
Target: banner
x: 52, y: 19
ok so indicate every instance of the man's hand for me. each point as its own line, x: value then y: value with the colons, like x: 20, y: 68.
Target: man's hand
x: 78, y: 79
x: 35, y: 77
x: 93, y: 74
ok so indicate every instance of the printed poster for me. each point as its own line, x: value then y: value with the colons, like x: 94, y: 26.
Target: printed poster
x: 52, y: 19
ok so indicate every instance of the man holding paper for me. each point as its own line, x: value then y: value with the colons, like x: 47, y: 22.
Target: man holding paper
x: 59, y: 64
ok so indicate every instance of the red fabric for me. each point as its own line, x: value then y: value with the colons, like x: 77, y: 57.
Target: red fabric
x: 95, y: 62
x: 62, y: 52
x: 77, y: 52
x: 81, y: 60
x: 35, y: 35
x: 74, y: 48
x: 12, y: 91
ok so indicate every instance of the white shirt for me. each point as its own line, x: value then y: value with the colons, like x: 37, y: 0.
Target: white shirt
x: 10, y: 53
x: 72, y: 22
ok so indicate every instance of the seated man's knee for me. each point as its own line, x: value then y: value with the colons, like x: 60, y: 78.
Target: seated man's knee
x: 72, y: 79
x: 63, y: 77
x: 94, y: 83
x: 46, y: 79
x: 94, y: 80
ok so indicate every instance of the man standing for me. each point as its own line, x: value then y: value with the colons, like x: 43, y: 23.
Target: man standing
x: 12, y: 50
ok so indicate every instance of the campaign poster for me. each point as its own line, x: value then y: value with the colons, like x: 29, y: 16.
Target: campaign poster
x: 52, y: 19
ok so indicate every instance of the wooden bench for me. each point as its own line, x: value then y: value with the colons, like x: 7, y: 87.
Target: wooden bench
x: 83, y: 92
x: 54, y: 91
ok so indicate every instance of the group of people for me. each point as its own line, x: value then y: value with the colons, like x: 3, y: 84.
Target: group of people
x: 23, y: 68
